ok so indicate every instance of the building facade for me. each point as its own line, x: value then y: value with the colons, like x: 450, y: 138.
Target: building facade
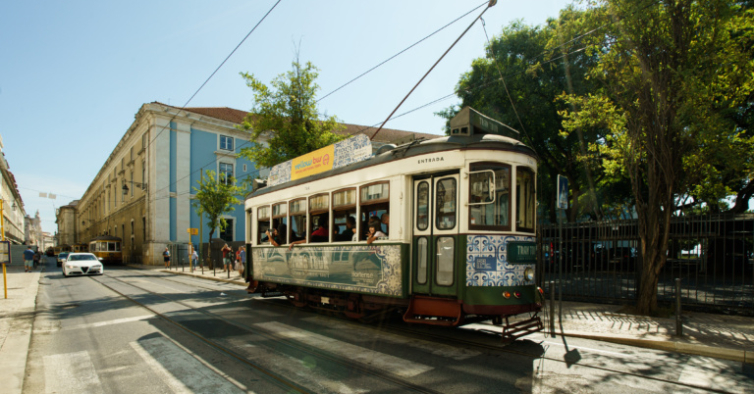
x: 33, y: 230
x: 12, y: 205
x: 144, y: 193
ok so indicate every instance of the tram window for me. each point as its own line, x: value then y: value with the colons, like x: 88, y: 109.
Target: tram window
x: 489, y: 199
x: 375, y: 199
x: 525, y: 199
x: 319, y: 208
x: 422, y: 206
x: 280, y: 216
x: 297, y: 229
x: 446, y: 204
x: 421, y: 272
x: 263, y: 224
x: 445, y: 253
x: 344, y: 211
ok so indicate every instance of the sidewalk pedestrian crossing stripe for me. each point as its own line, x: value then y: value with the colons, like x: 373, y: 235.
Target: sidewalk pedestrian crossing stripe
x: 71, y: 373
x: 384, y: 362
x: 179, y: 370
x: 438, y: 349
x: 302, y: 372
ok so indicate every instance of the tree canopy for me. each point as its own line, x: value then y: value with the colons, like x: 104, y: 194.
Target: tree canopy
x: 284, y: 122
x: 215, y: 197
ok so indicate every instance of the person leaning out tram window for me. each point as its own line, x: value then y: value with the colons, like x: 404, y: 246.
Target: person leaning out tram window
x: 375, y: 226
x: 276, y: 237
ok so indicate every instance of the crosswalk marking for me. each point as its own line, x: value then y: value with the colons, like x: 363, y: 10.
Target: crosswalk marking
x: 71, y: 373
x: 302, y: 372
x: 179, y: 370
x: 95, y: 325
x: 387, y: 363
x: 438, y: 349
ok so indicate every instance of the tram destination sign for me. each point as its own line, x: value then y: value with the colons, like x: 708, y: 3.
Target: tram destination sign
x: 522, y: 252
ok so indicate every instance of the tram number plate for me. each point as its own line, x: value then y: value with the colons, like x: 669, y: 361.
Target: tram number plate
x: 325, y: 300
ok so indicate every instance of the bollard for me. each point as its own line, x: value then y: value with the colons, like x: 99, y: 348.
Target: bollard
x: 552, y: 308
x: 678, y: 321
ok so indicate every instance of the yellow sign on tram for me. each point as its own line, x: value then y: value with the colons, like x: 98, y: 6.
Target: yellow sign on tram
x: 316, y: 162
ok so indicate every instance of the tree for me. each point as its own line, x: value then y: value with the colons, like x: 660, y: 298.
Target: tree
x: 216, y: 196
x: 286, y: 114
x: 535, y: 82
x: 671, y: 73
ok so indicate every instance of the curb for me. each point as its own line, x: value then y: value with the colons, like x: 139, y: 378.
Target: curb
x: 212, y: 278
x: 669, y: 346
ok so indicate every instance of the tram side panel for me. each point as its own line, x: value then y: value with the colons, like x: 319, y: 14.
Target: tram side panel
x: 380, y: 270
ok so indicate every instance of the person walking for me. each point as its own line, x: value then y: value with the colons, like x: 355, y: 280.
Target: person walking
x: 36, y: 258
x: 28, y: 260
x: 166, y: 257
x: 240, y: 259
x: 194, y: 259
x: 227, y: 259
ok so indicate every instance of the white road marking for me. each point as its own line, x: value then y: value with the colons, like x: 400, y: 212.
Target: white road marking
x: 716, y: 374
x: 302, y: 372
x: 71, y: 373
x: 438, y: 349
x: 97, y: 324
x: 179, y: 370
x: 391, y: 364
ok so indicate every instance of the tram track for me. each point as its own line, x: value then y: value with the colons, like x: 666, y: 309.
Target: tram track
x: 444, y: 339
x: 286, y: 383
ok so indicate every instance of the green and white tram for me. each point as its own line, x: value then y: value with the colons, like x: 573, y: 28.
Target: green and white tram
x: 457, y: 215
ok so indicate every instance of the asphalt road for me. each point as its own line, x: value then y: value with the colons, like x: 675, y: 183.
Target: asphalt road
x: 139, y: 331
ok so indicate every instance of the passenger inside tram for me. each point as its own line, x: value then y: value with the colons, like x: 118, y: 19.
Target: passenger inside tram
x: 349, y: 233
x: 375, y: 225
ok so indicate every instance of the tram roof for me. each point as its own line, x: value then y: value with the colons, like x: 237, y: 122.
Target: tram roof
x: 415, y: 148
x: 105, y: 238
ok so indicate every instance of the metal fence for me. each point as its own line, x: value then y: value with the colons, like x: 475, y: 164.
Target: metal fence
x: 601, y: 261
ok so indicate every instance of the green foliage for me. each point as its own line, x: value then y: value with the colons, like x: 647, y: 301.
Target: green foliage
x: 216, y: 197
x: 284, y: 122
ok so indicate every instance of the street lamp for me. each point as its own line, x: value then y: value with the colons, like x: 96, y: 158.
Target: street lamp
x: 142, y: 186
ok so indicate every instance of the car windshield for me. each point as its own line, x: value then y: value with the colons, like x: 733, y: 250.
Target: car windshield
x: 63, y: 254
x: 78, y: 257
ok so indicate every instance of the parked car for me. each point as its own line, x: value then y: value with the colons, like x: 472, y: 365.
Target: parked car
x: 622, y: 259
x: 61, y: 257
x: 82, y: 264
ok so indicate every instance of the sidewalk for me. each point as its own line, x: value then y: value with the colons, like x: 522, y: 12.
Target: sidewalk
x: 16, y: 319
x: 704, y: 334
x: 217, y: 275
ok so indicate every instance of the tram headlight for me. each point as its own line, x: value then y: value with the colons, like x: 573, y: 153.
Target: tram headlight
x: 529, y: 274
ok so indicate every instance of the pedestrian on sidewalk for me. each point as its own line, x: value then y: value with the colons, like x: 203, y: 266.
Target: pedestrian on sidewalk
x: 240, y: 265
x: 166, y: 257
x: 28, y: 259
x: 36, y: 258
x: 194, y: 260
x: 227, y: 260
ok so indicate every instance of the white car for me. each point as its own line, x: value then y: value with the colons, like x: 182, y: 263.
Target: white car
x: 82, y: 264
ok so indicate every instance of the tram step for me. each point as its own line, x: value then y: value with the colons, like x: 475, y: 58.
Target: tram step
x: 525, y: 327
x: 434, y: 311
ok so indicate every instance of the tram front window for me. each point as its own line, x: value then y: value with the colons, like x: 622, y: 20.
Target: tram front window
x: 489, y: 196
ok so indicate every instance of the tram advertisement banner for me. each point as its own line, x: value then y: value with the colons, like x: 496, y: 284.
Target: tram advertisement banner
x: 363, y: 268
x: 343, y: 153
x: 316, y: 162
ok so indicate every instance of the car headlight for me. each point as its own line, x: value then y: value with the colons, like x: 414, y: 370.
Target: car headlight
x: 68, y: 266
x: 529, y: 274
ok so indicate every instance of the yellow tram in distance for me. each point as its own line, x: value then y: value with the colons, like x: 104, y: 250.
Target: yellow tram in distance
x: 80, y: 248
x: 107, y: 248
x: 62, y: 248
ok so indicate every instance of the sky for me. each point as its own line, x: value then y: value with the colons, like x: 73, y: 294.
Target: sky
x: 74, y: 73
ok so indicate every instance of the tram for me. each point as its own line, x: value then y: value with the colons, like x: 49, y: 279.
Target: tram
x: 442, y: 230
x: 79, y: 248
x: 61, y: 248
x: 107, y: 248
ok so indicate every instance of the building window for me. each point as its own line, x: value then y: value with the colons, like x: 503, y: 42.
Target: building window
x: 227, y: 233
x: 244, y: 168
x: 144, y: 140
x: 226, y: 173
x: 226, y: 143
x: 144, y: 172
x: 132, y: 154
x: 132, y: 228
x: 144, y: 229
x: 132, y: 183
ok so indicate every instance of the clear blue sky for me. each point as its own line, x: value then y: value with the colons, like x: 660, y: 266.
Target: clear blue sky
x: 74, y: 73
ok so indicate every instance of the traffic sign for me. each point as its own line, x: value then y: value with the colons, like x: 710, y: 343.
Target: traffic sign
x: 193, y: 231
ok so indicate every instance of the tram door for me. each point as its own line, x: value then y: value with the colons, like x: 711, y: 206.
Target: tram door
x: 435, y: 235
